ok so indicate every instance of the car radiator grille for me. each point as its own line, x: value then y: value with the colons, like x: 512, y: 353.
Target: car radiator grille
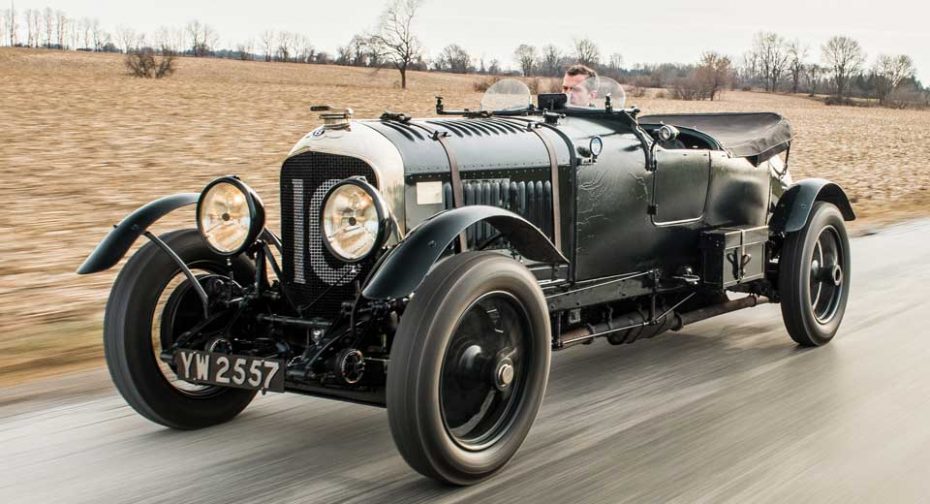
x: 310, y: 271
x: 531, y: 199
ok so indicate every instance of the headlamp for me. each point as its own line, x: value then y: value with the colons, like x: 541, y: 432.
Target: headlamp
x: 230, y: 215
x: 354, y: 220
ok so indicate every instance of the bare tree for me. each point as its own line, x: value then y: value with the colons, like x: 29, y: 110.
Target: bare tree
x: 304, y: 49
x: 551, y: 61
x: 374, y: 56
x: 74, y: 33
x: 267, y: 39
x: 749, y: 70
x: 193, y: 29
x: 125, y: 38
x: 812, y: 73
x: 86, y: 34
x: 285, y: 46
x: 359, y: 51
x: 142, y: 62
x: 889, y: 72
x: 101, y: 37
x: 245, y: 50
x: 771, y: 50
x: 495, y: 67
x: 178, y: 40
x: 36, y: 22
x: 201, y: 37
x: 394, y: 40
x: 32, y: 27
x: 13, y: 25
x: 140, y: 41
x: 844, y: 58
x: 526, y: 57
x: 797, y: 54
x: 587, y: 52
x: 47, y: 19
x: 61, y: 24
x: 482, y: 68
x: 162, y: 40
x: 343, y: 55
x: 713, y: 74
x: 453, y: 58
x: 210, y: 39
x: 615, y: 64
x: 4, y: 25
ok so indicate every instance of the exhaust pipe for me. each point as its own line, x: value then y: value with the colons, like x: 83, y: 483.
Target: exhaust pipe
x: 630, y: 327
x: 683, y: 319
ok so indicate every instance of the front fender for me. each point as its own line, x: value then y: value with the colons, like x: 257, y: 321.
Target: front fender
x: 118, y: 241
x: 405, y: 267
x: 795, y: 205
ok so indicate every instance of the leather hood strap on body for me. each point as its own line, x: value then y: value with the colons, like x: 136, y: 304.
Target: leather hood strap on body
x: 554, y: 175
x: 455, y: 176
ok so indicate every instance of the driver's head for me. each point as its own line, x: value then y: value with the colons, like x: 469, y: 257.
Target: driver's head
x: 576, y: 84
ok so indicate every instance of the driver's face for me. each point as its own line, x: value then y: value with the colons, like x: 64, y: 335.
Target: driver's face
x: 578, y: 94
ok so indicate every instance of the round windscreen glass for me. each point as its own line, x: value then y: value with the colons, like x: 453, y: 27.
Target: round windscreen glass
x: 506, y: 95
x: 593, y: 93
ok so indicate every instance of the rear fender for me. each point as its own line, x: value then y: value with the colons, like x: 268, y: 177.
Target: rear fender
x: 405, y: 267
x: 115, y: 245
x: 794, y: 207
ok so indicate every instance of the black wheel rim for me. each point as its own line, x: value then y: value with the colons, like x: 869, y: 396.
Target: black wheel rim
x: 827, y: 275
x: 484, y: 370
x: 178, y: 308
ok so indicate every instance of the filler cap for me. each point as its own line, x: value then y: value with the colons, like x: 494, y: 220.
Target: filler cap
x: 333, y: 118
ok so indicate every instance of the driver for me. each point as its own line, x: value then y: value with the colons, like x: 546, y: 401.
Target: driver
x: 580, y: 84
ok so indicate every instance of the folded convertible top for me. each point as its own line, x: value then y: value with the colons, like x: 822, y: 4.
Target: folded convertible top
x: 751, y: 135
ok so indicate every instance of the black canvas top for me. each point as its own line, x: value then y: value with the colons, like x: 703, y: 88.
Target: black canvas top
x: 754, y: 135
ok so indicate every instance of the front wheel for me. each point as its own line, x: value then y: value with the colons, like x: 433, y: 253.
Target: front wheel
x: 468, y: 369
x: 814, y: 274
x: 151, y: 303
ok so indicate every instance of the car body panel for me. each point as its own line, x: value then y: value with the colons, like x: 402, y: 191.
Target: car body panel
x: 792, y: 211
x: 120, y: 239
x: 405, y: 267
x: 361, y: 141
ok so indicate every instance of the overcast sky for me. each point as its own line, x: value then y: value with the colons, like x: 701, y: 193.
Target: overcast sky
x: 640, y: 30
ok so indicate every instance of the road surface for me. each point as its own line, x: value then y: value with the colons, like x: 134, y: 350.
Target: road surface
x: 726, y: 410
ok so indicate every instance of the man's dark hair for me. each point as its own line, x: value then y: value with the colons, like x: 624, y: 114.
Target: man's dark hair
x: 579, y: 69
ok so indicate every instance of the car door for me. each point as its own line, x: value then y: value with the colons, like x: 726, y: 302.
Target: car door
x: 680, y: 181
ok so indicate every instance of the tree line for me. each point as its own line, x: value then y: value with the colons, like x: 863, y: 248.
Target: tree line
x: 772, y: 64
x: 843, y: 70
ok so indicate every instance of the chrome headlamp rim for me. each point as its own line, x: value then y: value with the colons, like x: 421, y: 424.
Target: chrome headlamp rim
x: 256, y: 213
x: 381, y: 208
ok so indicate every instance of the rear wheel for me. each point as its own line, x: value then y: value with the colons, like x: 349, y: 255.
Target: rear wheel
x: 469, y: 366
x: 814, y: 274
x: 150, y: 304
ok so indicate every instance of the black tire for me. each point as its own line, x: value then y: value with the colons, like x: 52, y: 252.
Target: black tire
x: 424, y: 389
x: 814, y: 277
x: 127, y: 336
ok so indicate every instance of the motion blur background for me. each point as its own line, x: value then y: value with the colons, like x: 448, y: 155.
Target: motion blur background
x: 85, y: 138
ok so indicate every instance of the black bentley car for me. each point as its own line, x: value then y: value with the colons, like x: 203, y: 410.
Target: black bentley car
x: 431, y: 266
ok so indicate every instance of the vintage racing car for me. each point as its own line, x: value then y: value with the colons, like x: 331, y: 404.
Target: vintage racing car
x: 431, y: 266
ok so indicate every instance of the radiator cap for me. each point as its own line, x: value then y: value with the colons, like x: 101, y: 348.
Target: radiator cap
x: 333, y: 118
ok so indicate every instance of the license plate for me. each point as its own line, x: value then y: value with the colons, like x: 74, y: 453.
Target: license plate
x: 239, y: 371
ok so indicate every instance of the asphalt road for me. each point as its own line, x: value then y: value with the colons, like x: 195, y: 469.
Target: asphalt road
x: 727, y: 410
